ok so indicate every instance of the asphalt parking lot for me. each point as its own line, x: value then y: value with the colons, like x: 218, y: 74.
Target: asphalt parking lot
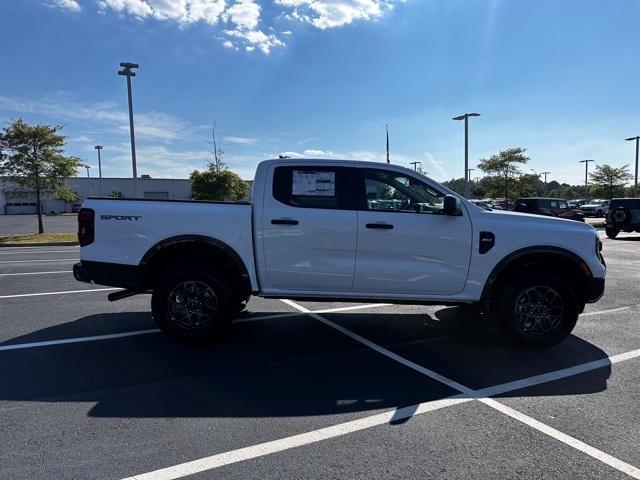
x: 28, y: 224
x: 90, y: 389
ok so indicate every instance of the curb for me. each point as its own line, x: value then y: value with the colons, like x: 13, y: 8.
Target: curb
x: 41, y: 244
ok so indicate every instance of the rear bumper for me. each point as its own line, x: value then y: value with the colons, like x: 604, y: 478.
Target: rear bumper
x: 595, y: 289
x: 110, y: 274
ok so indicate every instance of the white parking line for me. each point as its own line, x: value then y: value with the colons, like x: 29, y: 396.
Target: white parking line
x: 287, y: 443
x: 58, y: 293
x: 35, y: 252
x: 33, y: 273
x: 40, y: 261
x: 527, y: 420
x: 611, y: 310
x: 20, y: 346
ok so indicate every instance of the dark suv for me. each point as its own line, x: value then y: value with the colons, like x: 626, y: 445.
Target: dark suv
x: 623, y: 216
x: 551, y: 207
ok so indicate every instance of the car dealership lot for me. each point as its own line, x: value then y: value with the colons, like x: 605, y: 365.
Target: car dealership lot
x: 90, y: 389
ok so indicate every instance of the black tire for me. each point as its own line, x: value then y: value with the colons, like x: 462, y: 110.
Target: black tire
x: 612, y: 232
x: 620, y: 217
x: 193, y: 305
x: 536, y: 309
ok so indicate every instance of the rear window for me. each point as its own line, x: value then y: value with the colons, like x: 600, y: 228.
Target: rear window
x: 311, y: 187
x: 632, y: 203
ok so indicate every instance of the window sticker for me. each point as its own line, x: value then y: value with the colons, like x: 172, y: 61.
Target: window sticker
x: 311, y: 183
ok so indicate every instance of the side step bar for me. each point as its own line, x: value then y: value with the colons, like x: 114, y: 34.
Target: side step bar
x: 120, y: 294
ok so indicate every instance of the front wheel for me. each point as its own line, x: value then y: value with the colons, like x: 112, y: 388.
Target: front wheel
x: 537, y: 310
x: 192, y: 305
x: 612, y: 232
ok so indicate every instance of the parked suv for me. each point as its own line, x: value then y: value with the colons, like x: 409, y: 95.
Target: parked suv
x: 595, y: 208
x: 551, y: 207
x: 623, y: 216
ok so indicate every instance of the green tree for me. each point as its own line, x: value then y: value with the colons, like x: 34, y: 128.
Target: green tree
x: 505, y: 165
x: 115, y: 194
x: 65, y: 194
x: 608, y: 181
x: 217, y: 182
x: 32, y: 156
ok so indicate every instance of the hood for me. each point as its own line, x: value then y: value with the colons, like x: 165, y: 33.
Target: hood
x: 539, y: 219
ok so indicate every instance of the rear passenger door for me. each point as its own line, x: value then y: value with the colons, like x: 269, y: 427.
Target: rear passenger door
x: 308, y: 229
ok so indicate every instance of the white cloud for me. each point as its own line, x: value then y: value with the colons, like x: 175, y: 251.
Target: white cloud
x: 240, y: 140
x: 325, y: 14
x: 310, y: 152
x: 243, y: 18
x: 181, y: 11
x: 68, y: 5
x: 151, y: 125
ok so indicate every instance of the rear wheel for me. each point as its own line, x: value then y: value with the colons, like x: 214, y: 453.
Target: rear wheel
x: 192, y: 305
x: 536, y: 310
x: 612, y: 232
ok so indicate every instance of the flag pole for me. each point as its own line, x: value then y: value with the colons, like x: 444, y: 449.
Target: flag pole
x: 387, y: 127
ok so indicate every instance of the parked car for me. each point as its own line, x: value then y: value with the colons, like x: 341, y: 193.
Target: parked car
x: 551, y: 207
x: 623, y: 216
x: 595, y: 208
x: 577, y: 203
x: 313, y: 230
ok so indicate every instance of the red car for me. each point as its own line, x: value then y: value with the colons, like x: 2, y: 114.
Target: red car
x: 551, y: 207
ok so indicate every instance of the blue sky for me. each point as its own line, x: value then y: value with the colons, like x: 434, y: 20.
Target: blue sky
x: 322, y: 77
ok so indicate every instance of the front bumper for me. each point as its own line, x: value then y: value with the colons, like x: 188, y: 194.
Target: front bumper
x: 595, y: 289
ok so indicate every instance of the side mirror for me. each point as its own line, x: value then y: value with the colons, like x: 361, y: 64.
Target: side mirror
x: 451, y: 205
x: 521, y: 207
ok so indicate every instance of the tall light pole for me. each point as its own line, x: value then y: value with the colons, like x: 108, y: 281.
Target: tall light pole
x: 415, y: 165
x: 545, y: 180
x: 127, y: 71
x: 586, y: 176
x: 98, y: 148
x: 635, y: 183
x: 88, y: 180
x: 465, y: 117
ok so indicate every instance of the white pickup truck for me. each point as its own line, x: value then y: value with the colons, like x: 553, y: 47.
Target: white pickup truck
x: 328, y: 230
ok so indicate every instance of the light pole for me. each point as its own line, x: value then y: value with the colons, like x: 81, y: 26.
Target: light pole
x: 98, y: 148
x: 127, y: 71
x: 465, y: 117
x: 635, y: 183
x: 469, y: 170
x: 545, y: 180
x: 88, y: 180
x: 415, y: 165
x: 586, y: 176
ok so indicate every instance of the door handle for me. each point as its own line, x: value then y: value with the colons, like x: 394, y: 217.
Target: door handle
x: 380, y: 226
x: 283, y: 221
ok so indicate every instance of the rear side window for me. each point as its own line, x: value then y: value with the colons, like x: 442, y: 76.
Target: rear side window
x: 312, y: 187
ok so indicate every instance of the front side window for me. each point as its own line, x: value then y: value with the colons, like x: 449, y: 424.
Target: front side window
x: 563, y: 205
x: 392, y: 191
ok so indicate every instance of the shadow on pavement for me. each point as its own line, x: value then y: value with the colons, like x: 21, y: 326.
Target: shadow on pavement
x: 283, y: 367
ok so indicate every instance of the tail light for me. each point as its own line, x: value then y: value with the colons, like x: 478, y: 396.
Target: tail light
x: 86, y: 226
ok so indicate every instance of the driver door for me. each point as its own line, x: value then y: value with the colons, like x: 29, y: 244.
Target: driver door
x: 405, y: 243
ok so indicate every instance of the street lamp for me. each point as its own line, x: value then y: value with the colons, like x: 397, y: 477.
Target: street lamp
x: 465, y: 117
x: 635, y: 184
x: 469, y: 170
x: 415, y: 165
x: 586, y: 176
x: 127, y: 71
x: 88, y: 180
x: 98, y: 148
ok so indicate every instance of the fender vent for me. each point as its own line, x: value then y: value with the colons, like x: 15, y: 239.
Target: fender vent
x: 487, y: 241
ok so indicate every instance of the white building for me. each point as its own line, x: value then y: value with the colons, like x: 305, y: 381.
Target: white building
x: 15, y: 200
